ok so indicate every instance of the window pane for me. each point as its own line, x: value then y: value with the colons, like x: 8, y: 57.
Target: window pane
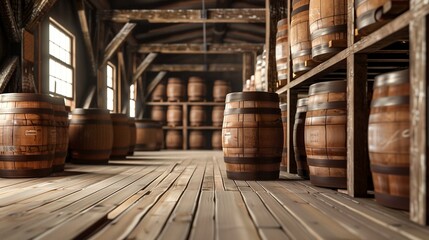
x: 132, y: 94
x: 132, y: 108
x: 109, y: 76
x: 110, y: 99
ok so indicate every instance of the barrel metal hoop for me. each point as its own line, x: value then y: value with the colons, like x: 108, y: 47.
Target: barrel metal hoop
x: 13, y: 173
x: 252, y: 96
x: 300, y: 67
x: 328, y: 87
x: 89, y: 121
x: 89, y: 111
x: 328, y: 30
x: 283, y: 107
x: 26, y: 158
x: 90, y: 152
x: 300, y: 9
x: 366, y: 19
x: 324, y: 49
x: 327, y: 163
x: 331, y: 182
x: 301, y: 53
x: 399, y: 202
x: 327, y: 105
x: 391, y: 170
x: 148, y: 125
x: 26, y: 111
x: 252, y: 160
x: 24, y: 97
x: 391, y: 101
x: 392, y: 78
x: 232, y: 111
x: 302, y: 102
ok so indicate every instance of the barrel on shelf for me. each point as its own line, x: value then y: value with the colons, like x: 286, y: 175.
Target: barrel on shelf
x: 196, y: 89
x: 325, y: 134
x: 174, y: 115
x: 197, y: 116
x: 217, y: 140
x: 175, y: 90
x: 217, y: 116
x: 328, y: 28
x: 149, y: 135
x: 132, y: 124
x: 298, y: 138
x: 282, y: 51
x: 220, y: 89
x: 159, y: 93
x: 197, y: 139
x: 389, y: 139
x: 284, y: 163
x: 62, y: 133
x: 27, y: 135
x: 252, y: 136
x: 90, y: 136
x: 158, y: 113
x: 371, y: 14
x: 300, y: 38
x: 173, y: 139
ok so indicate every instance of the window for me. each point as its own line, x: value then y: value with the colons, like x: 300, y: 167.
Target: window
x: 61, y: 69
x: 132, y: 101
x: 110, y: 78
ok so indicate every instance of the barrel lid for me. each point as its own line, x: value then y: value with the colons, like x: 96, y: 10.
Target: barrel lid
x: 22, y: 97
x: 90, y: 111
x: 282, y: 22
x: 302, y: 102
x: 283, y: 107
x: 252, y: 96
x: 328, y: 87
x: 392, y: 78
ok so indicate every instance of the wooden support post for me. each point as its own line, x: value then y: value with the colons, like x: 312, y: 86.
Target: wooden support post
x: 101, y: 72
x: 6, y: 72
x: 292, y: 100
x: 143, y: 66
x: 419, y: 55
x: 86, y: 35
x: 116, y: 42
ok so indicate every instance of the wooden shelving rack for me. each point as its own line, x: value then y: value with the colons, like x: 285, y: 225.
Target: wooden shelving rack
x: 355, y: 64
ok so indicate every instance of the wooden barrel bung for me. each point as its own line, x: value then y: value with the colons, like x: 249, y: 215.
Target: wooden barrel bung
x: 121, y: 136
x: 196, y: 89
x: 372, y: 14
x: 217, y: 140
x: 158, y: 113
x: 173, y: 139
x: 284, y: 162
x: 252, y: 136
x: 197, y: 139
x: 150, y: 136
x: 220, y: 89
x: 217, y: 116
x: 174, y: 115
x: 389, y: 139
x: 90, y: 136
x: 175, y: 90
x: 159, y: 93
x: 325, y: 134
x: 62, y: 133
x: 300, y: 38
x: 27, y: 135
x: 282, y: 52
x: 197, y: 116
x: 298, y: 138
x: 328, y: 28
x: 132, y: 124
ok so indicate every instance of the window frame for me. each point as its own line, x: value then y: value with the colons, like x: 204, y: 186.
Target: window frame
x: 132, y: 98
x: 114, y: 86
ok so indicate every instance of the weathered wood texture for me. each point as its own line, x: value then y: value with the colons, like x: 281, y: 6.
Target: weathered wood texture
x: 190, y: 48
x: 117, y: 41
x: 195, y: 68
x: 9, y: 22
x: 39, y: 11
x: 143, y: 66
x: 87, y: 38
x: 6, y: 71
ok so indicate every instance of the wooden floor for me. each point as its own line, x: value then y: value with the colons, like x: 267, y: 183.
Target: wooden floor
x: 180, y: 195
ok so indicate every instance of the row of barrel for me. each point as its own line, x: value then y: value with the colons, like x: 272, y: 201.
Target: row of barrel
x: 197, y: 139
x: 319, y: 31
x: 175, y: 90
x: 173, y: 117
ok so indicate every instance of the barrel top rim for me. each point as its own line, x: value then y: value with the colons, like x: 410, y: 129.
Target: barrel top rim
x: 251, y: 96
x: 89, y: 110
x: 392, y: 78
x: 283, y: 107
x: 24, y: 97
x: 325, y: 87
x: 302, y: 102
x: 282, y: 21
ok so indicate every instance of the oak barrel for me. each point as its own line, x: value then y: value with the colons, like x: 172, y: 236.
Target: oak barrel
x: 217, y: 140
x: 325, y: 134
x: 27, y: 135
x: 284, y: 163
x: 197, y: 139
x: 328, y: 28
x: 175, y: 90
x: 158, y: 113
x: 220, y: 89
x: 282, y: 52
x: 197, y: 116
x: 121, y: 136
x: 90, y: 136
x: 159, y: 93
x: 132, y: 124
x: 389, y: 139
x: 196, y: 89
x: 252, y: 136
x: 217, y: 116
x: 372, y: 14
x: 62, y: 133
x: 174, y: 115
x: 298, y: 138
x: 173, y: 139
x: 300, y: 38
x: 149, y: 135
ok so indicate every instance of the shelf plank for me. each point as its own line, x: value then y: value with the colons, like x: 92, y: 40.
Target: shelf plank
x: 188, y: 103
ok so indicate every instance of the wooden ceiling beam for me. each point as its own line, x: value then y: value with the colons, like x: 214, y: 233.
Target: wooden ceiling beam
x: 245, y: 15
x: 143, y: 66
x: 40, y: 9
x: 6, y: 72
x: 116, y: 42
x: 184, y: 48
x: 196, y: 68
x: 86, y: 35
x: 9, y: 22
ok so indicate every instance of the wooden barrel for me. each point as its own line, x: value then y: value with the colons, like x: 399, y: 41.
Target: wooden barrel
x: 27, y: 135
x: 282, y: 52
x: 196, y: 89
x: 158, y: 94
x: 173, y: 139
x: 150, y: 136
x: 300, y: 38
x: 371, y: 14
x: 174, y: 116
x: 252, y: 136
x: 217, y: 140
x: 217, y: 116
x: 284, y: 162
x: 197, y: 116
x: 90, y: 136
x: 175, y: 90
x: 62, y: 133
x: 197, y: 139
x: 389, y: 139
x: 132, y: 124
x: 121, y: 136
x: 298, y: 138
x: 220, y: 89
x: 158, y: 113
x: 325, y: 134
x: 328, y: 28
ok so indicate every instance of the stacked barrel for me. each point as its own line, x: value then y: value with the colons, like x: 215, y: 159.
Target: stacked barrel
x: 282, y: 52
